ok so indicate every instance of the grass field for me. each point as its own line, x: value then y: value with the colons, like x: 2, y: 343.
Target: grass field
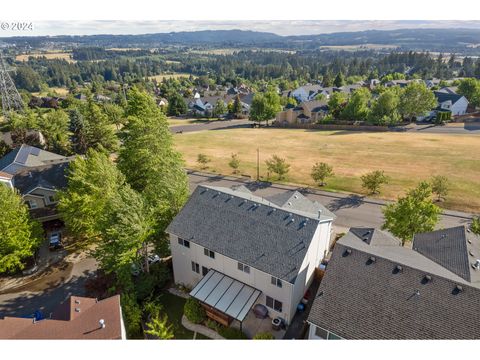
x: 60, y: 91
x: 49, y: 55
x: 169, y: 76
x: 406, y: 158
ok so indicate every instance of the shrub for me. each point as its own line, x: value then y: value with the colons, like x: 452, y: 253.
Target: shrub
x: 194, y: 311
x: 133, y: 316
x: 211, y: 324
x: 144, y: 286
x: 263, y: 336
x: 231, y: 333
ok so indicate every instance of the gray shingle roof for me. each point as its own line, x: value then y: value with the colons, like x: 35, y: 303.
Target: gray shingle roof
x: 289, y: 200
x: 51, y: 177
x: 444, y: 96
x: 248, y: 229
x: 453, y: 248
x: 391, y: 297
x: 28, y: 156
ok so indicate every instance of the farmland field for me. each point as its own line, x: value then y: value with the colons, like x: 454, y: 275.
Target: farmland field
x: 169, y: 76
x: 49, y: 55
x: 406, y: 158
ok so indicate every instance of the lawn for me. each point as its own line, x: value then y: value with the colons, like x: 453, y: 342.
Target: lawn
x: 406, y: 158
x: 49, y: 55
x: 160, y: 77
x: 173, y: 305
x: 59, y: 91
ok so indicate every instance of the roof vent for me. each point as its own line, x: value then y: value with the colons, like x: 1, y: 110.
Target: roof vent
x: 77, y: 309
x: 295, y: 196
x: 457, y: 290
x: 347, y: 252
x: 398, y: 269
x: 471, y: 253
x: 426, y: 279
x: 101, y: 323
x: 77, y: 301
x: 289, y: 203
x: 443, y: 236
x: 365, y: 239
x: 476, y: 264
x: 371, y: 260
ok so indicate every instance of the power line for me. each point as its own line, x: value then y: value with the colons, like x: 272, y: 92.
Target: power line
x: 11, y: 99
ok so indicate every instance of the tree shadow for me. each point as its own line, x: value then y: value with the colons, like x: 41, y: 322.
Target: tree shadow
x: 349, y: 202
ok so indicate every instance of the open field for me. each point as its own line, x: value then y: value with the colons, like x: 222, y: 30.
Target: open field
x: 358, y: 47
x: 169, y: 76
x: 230, y: 51
x: 60, y: 91
x: 49, y: 55
x: 406, y: 158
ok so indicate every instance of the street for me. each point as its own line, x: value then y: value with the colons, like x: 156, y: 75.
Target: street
x: 213, y: 125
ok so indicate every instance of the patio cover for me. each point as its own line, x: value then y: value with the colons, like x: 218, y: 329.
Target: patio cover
x: 225, y: 294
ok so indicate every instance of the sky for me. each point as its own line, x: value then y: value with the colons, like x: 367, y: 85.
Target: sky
x: 294, y: 27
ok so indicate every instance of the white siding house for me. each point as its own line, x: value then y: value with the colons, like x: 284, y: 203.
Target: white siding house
x: 270, y: 247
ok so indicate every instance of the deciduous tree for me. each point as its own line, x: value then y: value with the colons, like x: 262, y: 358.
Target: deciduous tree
x: 416, y: 100
x: 440, y: 186
x: 278, y: 166
x: 320, y: 171
x: 373, y: 180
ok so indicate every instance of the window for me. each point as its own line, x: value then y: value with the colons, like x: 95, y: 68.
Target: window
x: 209, y: 253
x: 332, y: 336
x: 195, y: 267
x: 321, y: 333
x: 276, y: 282
x: 32, y: 204
x: 274, y: 304
x: 185, y: 243
x: 244, y: 268
x: 51, y: 199
x: 205, y: 270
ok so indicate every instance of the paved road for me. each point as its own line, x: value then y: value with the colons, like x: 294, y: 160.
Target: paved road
x: 351, y: 210
x: 49, y: 291
x: 213, y: 125
x: 464, y: 129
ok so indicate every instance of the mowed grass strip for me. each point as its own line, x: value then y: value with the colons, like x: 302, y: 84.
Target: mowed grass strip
x: 406, y: 158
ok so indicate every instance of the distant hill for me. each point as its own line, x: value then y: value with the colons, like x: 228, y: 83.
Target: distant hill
x: 443, y: 40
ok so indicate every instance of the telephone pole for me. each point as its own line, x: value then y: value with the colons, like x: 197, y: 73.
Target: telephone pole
x: 11, y: 99
x: 258, y: 164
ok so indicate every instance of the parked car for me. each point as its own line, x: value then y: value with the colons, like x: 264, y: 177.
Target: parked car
x: 153, y: 259
x: 54, y: 241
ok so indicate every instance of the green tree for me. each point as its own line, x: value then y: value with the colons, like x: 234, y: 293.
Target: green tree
x: 416, y: 100
x: 236, y: 108
x: 20, y: 235
x: 278, y: 166
x: 159, y: 327
x: 327, y: 80
x: 320, y: 171
x: 220, y: 108
x: 203, y: 160
x: 384, y: 111
x: 339, y: 80
x: 475, y: 225
x: 373, y: 180
x: 265, y: 106
x: 357, y: 107
x: 470, y: 88
x: 98, y: 130
x: 115, y: 114
x: 149, y: 161
x: 440, y: 186
x: 54, y: 125
x: 77, y: 128
x: 234, y: 163
x: 176, y: 105
x: 26, y: 78
x: 336, y: 103
x: 92, y: 181
x: 194, y: 311
x: 412, y: 214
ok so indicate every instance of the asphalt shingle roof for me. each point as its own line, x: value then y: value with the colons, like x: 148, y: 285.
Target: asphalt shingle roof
x: 381, y: 291
x: 28, y: 156
x: 51, y: 176
x: 444, y: 96
x: 248, y: 229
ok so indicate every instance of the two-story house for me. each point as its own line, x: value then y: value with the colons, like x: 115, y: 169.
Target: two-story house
x: 454, y: 103
x: 305, y: 113
x: 236, y: 249
x: 375, y: 288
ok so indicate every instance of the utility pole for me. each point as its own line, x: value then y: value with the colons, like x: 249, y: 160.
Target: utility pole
x: 11, y: 99
x: 258, y: 164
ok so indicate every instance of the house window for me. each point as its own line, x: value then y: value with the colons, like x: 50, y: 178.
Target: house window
x: 274, y: 304
x: 209, y: 253
x: 276, y: 282
x: 321, y: 333
x: 195, y: 267
x: 185, y: 243
x: 332, y: 336
x: 32, y: 204
x: 204, y: 270
x: 244, y: 268
x: 51, y: 199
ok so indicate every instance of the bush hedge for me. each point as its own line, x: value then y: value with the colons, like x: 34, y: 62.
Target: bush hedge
x: 263, y: 336
x: 194, y: 311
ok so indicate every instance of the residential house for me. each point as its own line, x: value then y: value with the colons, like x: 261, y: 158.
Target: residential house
x: 400, y: 83
x: 37, y: 175
x: 432, y: 82
x: 455, y: 103
x: 25, y: 156
x: 449, y: 89
x: 374, y: 288
x: 306, y: 112
x: 305, y: 92
x: 236, y: 249
x: 77, y: 318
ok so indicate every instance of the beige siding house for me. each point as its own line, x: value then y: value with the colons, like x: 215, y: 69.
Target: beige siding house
x: 305, y: 113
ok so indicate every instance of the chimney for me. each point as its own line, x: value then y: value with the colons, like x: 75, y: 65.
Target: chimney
x: 101, y: 323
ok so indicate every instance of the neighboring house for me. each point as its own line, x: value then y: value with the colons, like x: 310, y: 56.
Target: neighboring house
x: 77, y: 318
x: 45, y: 102
x: 456, y: 104
x: 432, y: 82
x: 25, y: 156
x: 449, y: 89
x: 6, y: 179
x: 400, y: 83
x: 306, y: 92
x: 236, y: 249
x: 38, y: 187
x: 305, y: 113
x: 374, y: 288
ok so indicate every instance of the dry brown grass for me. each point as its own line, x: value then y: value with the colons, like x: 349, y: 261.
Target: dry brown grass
x: 406, y: 158
x: 49, y: 55
x: 169, y: 76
